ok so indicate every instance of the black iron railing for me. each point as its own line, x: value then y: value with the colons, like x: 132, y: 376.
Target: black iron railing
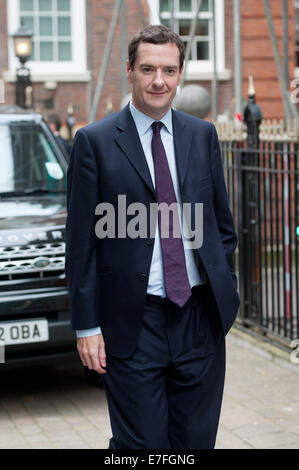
x: 263, y: 189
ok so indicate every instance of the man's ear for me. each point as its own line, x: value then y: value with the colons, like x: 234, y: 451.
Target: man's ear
x: 129, y: 72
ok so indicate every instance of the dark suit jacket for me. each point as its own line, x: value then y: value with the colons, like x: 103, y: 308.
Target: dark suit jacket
x: 107, y: 278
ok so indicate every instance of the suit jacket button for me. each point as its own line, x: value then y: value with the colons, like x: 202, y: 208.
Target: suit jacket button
x: 149, y: 241
x: 143, y: 277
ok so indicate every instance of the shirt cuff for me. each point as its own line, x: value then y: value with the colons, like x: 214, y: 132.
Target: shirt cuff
x: 89, y: 332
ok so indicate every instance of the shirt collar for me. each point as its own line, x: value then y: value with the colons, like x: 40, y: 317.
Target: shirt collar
x: 143, y: 121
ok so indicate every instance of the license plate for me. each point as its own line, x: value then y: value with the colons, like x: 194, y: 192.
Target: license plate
x: 24, y: 331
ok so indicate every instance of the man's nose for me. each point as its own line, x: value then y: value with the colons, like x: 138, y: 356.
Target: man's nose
x: 158, y: 80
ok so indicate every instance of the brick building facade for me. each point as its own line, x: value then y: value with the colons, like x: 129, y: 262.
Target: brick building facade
x: 257, y: 53
x: 54, y: 92
x: 57, y: 85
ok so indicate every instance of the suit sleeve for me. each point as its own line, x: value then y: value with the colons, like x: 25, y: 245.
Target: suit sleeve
x: 81, y: 241
x: 221, y: 204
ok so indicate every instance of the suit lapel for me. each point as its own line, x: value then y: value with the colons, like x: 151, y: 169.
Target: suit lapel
x: 182, y: 141
x: 129, y: 142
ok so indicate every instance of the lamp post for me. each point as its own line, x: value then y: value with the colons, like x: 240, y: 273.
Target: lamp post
x: 23, y: 49
x: 250, y: 184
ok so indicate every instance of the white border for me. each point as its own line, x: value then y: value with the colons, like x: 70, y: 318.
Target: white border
x: 52, y: 70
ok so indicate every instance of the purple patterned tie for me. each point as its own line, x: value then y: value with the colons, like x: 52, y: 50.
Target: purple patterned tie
x: 174, y: 265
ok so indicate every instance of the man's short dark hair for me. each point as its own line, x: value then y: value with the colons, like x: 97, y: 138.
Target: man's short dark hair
x: 155, y: 34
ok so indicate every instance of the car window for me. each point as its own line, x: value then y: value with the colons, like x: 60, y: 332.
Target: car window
x: 28, y: 159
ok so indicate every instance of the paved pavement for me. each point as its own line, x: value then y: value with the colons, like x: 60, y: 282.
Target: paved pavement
x: 53, y: 407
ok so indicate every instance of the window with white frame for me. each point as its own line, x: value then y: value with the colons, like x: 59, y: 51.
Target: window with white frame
x: 50, y: 22
x: 179, y: 15
x: 183, y: 15
x: 59, y: 37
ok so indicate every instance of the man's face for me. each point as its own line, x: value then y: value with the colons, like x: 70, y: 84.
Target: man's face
x: 155, y: 78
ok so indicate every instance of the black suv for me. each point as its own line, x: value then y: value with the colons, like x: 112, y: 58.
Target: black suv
x: 34, y: 318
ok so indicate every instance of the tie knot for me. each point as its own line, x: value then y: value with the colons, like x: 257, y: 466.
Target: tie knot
x: 157, y: 125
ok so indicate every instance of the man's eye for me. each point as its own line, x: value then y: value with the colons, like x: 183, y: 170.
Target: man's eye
x: 170, y: 71
x: 147, y: 69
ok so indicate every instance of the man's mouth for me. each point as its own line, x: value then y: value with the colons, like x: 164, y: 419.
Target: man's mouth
x: 158, y: 93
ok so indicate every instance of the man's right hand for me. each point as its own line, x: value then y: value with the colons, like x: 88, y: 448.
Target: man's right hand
x: 92, y: 352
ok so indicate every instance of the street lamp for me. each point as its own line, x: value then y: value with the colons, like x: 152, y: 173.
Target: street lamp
x: 23, y: 49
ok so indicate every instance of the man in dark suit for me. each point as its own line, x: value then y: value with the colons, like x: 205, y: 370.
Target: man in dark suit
x: 152, y: 310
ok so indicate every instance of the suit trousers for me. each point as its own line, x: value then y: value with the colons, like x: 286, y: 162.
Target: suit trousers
x: 168, y: 393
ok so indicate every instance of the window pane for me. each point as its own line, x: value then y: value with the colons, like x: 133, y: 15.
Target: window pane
x: 164, y: 5
x: 27, y: 21
x: 205, y: 5
x: 184, y: 27
x: 64, y: 50
x: 202, y: 28
x: 165, y: 22
x: 185, y: 5
x: 26, y: 5
x: 46, y: 50
x: 64, y: 26
x: 202, y: 50
x: 45, y: 5
x: 45, y: 26
x: 63, y: 5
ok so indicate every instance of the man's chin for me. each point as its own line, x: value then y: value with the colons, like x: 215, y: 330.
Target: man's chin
x: 158, y: 108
